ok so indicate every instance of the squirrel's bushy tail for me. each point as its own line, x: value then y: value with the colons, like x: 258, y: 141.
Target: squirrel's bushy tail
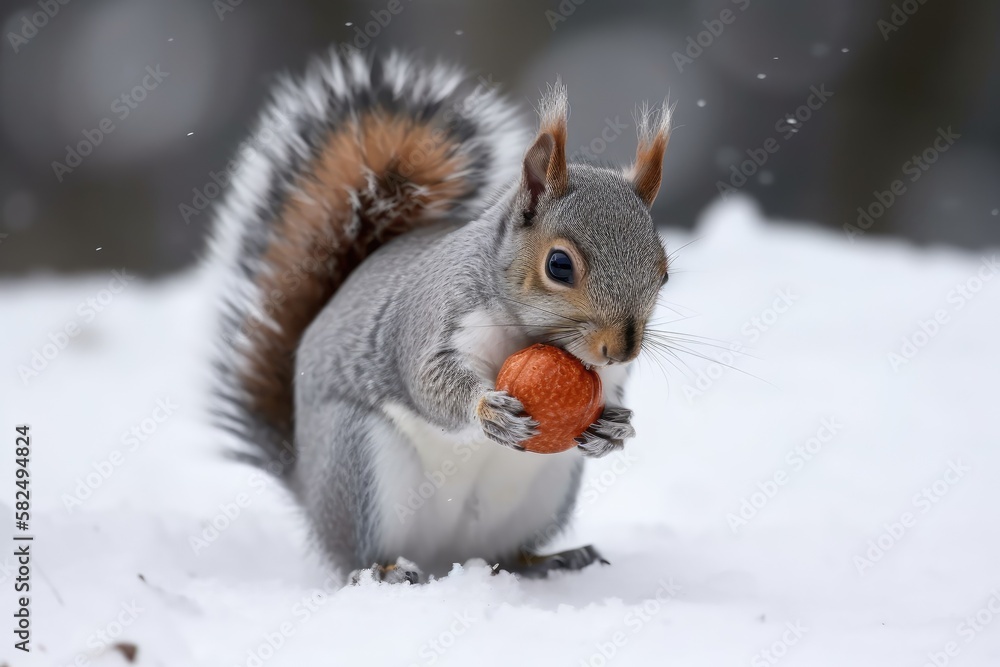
x: 353, y: 154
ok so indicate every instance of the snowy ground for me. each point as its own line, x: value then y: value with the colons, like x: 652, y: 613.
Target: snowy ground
x: 836, y: 506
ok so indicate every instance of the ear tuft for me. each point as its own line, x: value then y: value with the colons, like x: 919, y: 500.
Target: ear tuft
x: 554, y: 112
x: 654, y: 134
x: 544, y: 168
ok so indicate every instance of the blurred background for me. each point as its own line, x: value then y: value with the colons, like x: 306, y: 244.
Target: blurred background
x: 114, y: 114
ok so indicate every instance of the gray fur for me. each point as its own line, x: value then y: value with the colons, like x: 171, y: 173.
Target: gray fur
x: 288, y: 135
x: 389, y: 337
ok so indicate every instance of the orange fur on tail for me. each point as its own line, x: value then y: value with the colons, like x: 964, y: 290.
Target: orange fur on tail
x: 339, y: 216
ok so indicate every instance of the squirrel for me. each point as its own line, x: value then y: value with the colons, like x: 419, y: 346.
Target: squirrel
x: 382, y: 255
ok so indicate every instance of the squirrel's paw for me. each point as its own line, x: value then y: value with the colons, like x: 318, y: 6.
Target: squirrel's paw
x: 403, y: 571
x: 503, y: 420
x: 607, y: 434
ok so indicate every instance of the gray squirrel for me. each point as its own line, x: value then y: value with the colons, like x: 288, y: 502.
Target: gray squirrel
x: 384, y: 253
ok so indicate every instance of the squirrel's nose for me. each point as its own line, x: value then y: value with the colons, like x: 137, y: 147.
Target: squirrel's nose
x: 610, y: 358
x: 613, y: 356
x: 619, y: 344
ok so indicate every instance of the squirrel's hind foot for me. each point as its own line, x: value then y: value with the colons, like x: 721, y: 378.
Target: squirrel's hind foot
x: 535, y: 566
x: 402, y: 571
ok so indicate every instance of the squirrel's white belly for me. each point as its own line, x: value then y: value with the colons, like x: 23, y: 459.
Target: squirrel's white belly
x: 446, y: 497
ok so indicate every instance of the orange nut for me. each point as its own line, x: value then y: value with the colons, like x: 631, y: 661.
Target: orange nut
x: 562, y: 395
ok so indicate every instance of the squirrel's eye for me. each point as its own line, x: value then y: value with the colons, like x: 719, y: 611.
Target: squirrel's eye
x: 560, y: 267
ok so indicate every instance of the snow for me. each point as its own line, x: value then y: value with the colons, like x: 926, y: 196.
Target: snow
x: 813, y: 317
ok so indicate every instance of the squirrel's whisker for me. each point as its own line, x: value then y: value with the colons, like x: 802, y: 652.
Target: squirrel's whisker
x: 681, y: 338
x: 654, y: 356
x: 673, y: 307
x: 715, y: 361
x: 529, y: 305
x: 566, y: 339
x: 660, y: 320
x: 721, y: 345
x: 517, y: 324
x: 657, y: 349
x: 673, y: 254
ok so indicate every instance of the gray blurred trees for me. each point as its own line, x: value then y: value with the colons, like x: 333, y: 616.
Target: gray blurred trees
x: 890, y: 95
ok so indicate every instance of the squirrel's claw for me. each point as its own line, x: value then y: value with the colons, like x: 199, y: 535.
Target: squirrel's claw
x: 615, y: 424
x: 595, y: 446
x: 503, y: 420
x: 608, y: 433
x: 535, y: 566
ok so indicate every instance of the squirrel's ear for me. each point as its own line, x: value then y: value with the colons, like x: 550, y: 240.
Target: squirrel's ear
x: 544, y: 169
x: 654, y: 133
